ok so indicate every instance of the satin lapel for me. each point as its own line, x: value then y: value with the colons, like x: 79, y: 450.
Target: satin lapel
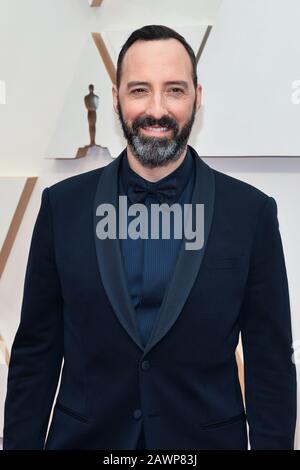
x: 109, y: 254
x: 188, y: 261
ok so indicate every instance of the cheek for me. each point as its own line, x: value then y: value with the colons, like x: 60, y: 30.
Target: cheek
x: 181, y: 112
x: 131, y: 110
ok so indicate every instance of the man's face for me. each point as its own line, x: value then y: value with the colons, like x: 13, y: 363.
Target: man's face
x: 157, y: 100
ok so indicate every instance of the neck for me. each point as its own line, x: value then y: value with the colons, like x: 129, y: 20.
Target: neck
x: 156, y: 173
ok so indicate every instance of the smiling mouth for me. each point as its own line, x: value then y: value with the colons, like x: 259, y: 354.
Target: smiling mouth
x: 156, y: 130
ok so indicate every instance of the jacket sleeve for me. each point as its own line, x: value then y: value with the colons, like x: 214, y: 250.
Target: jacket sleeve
x: 37, y: 350
x: 269, y: 371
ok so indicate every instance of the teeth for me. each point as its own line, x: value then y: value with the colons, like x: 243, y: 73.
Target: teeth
x: 157, y: 129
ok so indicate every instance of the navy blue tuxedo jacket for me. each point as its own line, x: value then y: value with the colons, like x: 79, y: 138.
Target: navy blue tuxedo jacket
x: 183, y: 386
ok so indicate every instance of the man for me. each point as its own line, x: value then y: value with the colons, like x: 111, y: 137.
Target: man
x: 148, y: 328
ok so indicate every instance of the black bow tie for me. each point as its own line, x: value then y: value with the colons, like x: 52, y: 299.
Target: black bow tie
x: 165, y: 191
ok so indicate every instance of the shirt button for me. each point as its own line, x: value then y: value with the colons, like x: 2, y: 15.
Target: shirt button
x: 137, y: 414
x: 145, y: 365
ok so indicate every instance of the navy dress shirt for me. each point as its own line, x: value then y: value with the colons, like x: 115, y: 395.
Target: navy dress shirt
x: 149, y: 263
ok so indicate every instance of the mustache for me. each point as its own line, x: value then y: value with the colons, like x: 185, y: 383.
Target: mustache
x: 165, y: 121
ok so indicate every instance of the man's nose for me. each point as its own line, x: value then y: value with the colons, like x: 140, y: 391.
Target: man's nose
x: 156, y: 106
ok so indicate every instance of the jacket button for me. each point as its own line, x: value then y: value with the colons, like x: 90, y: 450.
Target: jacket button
x: 137, y: 414
x: 145, y: 365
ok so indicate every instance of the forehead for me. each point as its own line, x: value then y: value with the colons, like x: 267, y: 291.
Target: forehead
x: 165, y: 59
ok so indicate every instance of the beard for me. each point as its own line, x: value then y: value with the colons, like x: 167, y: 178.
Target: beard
x: 153, y: 151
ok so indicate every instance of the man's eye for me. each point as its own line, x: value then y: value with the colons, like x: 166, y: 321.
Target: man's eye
x: 177, y: 90
x: 138, y: 90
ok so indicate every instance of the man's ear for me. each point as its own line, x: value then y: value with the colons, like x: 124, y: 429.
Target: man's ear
x: 115, y: 97
x: 198, y: 97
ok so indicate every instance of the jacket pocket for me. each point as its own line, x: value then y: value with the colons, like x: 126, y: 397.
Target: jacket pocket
x: 74, y: 414
x: 225, y: 422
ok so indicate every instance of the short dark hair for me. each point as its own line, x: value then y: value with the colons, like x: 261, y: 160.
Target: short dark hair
x: 151, y: 33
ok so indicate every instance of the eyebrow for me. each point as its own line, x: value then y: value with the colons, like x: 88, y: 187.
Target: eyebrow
x: 182, y: 83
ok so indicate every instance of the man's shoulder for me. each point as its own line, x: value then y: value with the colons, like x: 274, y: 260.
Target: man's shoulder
x: 76, y: 184
x: 240, y: 199
x: 232, y: 188
x: 234, y: 191
x: 78, y: 190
